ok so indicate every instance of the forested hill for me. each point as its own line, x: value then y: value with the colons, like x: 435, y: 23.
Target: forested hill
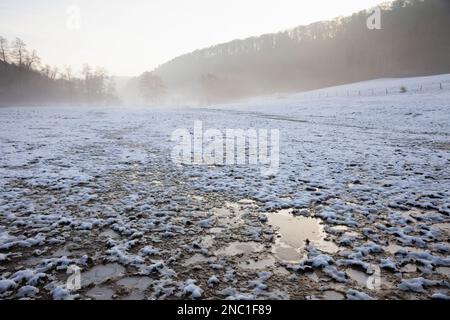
x: 25, y: 81
x: 24, y: 86
x: 414, y: 40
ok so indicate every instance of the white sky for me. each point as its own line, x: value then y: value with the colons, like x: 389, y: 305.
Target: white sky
x: 131, y: 36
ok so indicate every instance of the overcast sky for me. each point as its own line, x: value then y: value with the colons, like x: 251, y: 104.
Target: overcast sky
x: 131, y: 36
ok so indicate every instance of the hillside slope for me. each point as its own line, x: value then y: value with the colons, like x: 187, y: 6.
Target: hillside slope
x: 414, y: 40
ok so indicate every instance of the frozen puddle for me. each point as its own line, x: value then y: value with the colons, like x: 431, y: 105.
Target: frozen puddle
x: 101, y: 293
x: 333, y: 295
x: 257, y: 264
x: 358, y: 276
x: 294, y: 232
x: 102, y: 273
x: 198, y: 259
x: 241, y: 248
x: 135, y: 283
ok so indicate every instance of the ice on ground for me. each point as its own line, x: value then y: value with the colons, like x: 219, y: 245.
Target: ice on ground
x: 366, y: 171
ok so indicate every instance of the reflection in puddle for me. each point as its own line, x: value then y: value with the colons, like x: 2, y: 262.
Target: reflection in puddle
x: 294, y: 232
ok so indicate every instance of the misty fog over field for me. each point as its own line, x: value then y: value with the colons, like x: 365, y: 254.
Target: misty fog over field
x: 273, y: 150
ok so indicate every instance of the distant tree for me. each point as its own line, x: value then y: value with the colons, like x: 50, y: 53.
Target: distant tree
x: 86, y: 71
x: 21, y: 83
x: 32, y: 60
x: 4, y: 53
x: 19, y: 51
x: 110, y: 92
x: 95, y: 83
x: 67, y: 73
x: 46, y: 70
x: 321, y: 54
x: 151, y: 87
x: 54, y: 73
x: 98, y: 82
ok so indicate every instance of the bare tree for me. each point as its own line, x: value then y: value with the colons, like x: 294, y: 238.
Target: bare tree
x: 86, y: 71
x: 4, y: 53
x: 46, y: 70
x: 54, y: 73
x: 99, y: 82
x: 32, y: 60
x: 19, y: 51
x: 68, y: 73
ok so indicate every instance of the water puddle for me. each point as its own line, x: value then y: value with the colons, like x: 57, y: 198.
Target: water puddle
x: 207, y: 241
x: 338, y: 229
x: 229, y: 216
x: 409, y: 268
x: 101, y: 293
x: 257, y: 264
x: 109, y: 233
x: 313, y: 277
x: 444, y: 228
x: 294, y: 232
x: 444, y: 271
x: 241, y: 248
x: 247, y: 201
x: 135, y: 283
x: 134, y: 296
x: 156, y: 182
x: 71, y: 249
x: 198, y: 259
x: 197, y: 198
x: 394, y: 248
x: 359, y: 277
x: 102, y: 273
x: 333, y: 295
x: 215, y: 230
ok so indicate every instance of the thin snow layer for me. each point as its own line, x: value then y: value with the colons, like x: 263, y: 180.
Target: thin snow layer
x: 95, y: 187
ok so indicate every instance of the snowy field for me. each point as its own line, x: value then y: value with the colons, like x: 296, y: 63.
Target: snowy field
x: 359, y: 209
